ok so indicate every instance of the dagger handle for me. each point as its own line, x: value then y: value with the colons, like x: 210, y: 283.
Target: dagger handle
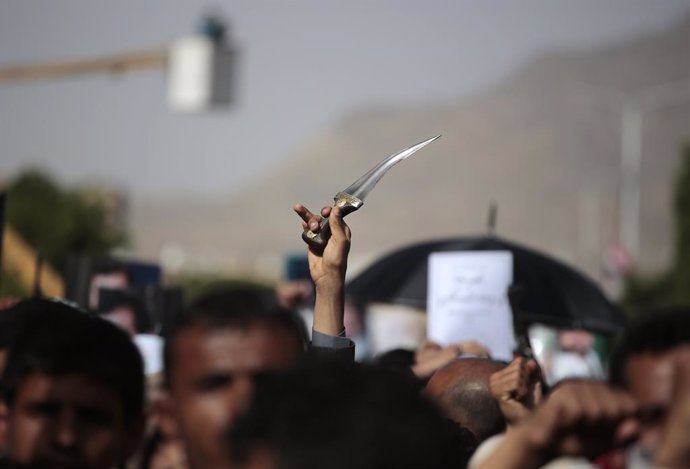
x: 347, y: 204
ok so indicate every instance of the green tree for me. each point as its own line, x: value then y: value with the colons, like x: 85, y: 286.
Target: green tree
x: 681, y: 267
x: 58, y: 221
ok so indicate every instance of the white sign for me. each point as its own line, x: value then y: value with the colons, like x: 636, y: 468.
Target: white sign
x: 467, y: 299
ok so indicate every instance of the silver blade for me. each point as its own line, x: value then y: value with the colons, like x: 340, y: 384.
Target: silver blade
x: 366, y: 183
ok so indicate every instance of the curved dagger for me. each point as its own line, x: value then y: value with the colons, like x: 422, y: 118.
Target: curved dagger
x: 352, y: 198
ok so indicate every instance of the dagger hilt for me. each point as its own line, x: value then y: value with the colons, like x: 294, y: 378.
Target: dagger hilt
x: 347, y: 204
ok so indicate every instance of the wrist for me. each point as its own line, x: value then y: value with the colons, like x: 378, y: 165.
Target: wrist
x: 329, y: 285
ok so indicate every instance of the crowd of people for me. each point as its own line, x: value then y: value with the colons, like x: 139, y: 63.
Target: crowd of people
x: 245, y: 386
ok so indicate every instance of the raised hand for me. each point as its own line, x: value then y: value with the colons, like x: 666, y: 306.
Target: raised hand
x: 517, y: 388
x: 585, y: 418
x: 330, y: 263
x: 327, y: 267
x: 580, y: 418
x: 431, y: 356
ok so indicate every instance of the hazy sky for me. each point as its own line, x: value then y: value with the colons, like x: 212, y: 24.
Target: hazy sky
x: 304, y: 64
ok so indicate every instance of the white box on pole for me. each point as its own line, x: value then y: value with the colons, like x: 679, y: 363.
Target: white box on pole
x: 199, y: 74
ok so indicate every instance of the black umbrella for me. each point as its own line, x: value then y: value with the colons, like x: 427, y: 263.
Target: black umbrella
x: 550, y: 292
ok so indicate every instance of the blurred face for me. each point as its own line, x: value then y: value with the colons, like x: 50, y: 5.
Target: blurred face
x: 67, y: 422
x: 576, y: 341
x: 650, y: 381
x: 212, y: 381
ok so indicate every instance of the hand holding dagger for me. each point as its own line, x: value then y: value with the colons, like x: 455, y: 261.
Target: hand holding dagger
x: 329, y: 237
x: 352, y: 198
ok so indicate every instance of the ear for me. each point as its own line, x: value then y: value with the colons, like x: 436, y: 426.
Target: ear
x: 165, y: 415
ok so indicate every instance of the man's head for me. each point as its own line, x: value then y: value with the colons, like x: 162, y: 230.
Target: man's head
x: 643, y: 365
x: 211, y: 359
x: 11, y: 320
x: 74, y: 388
x: 462, y: 390
x: 344, y: 417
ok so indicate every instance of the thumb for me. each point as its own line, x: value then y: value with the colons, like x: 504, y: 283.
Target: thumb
x: 533, y: 370
x: 337, y: 223
x: 538, y: 393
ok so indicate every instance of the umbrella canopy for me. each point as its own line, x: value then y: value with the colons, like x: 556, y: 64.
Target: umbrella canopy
x: 551, y: 292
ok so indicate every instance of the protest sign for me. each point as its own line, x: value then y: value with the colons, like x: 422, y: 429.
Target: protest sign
x: 468, y: 299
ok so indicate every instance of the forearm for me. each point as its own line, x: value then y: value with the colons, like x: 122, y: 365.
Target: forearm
x: 329, y: 308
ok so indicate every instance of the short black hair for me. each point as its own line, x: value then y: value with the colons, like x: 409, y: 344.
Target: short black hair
x: 346, y: 416
x: 478, y: 406
x: 469, y: 399
x: 655, y: 331
x: 11, y: 321
x: 233, y: 308
x: 59, y: 340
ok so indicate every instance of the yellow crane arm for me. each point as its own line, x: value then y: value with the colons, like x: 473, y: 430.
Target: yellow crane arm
x: 113, y: 64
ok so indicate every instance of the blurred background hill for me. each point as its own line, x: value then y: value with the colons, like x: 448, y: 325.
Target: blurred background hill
x: 544, y: 144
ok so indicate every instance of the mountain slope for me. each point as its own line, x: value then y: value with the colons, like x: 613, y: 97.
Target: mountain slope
x: 544, y: 145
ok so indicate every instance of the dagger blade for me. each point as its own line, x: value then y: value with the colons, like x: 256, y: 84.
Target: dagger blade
x: 353, y: 197
x: 362, y: 186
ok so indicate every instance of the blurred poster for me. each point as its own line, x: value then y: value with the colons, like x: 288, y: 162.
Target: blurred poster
x: 468, y: 299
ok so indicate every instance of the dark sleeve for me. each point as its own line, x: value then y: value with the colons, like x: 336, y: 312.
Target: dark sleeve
x: 332, y: 347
